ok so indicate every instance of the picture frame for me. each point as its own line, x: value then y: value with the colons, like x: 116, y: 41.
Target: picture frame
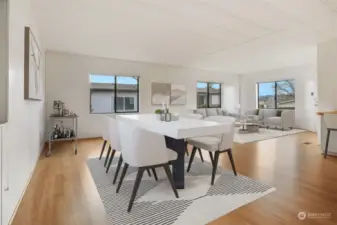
x: 32, y: 65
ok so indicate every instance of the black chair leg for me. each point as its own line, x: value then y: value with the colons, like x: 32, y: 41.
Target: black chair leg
x: 230, y: 155
x: 103, y: 148
x: 154, y: 174
x: 110, y: 160
x: 211, y: 157
x: 135, y: 187
x: 327, y: 144
x: 120, y: 161
x: 148, y: 172
x: 125, y: 168
x: 107, y: 156
x: 200, y: 154
x: 215, y: 165
x: 170, y: 178
x: 194, y: 150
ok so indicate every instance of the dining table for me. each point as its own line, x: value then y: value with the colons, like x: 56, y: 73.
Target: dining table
x: 175, y: 133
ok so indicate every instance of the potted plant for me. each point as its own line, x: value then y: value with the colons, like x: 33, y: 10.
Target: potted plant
x: 159, y: 113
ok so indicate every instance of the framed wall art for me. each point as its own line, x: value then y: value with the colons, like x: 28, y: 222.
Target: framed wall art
x: 32, y: 65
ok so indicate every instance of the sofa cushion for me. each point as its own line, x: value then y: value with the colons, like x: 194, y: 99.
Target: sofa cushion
x: 211, y: 112
x: 275, y: 120
x: 219, y: 112
x: 253, y: 118
x: 200, y: 111
x: 269, y: 113
x: 261, y: 115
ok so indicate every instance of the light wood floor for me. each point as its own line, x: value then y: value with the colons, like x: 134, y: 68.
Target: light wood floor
x: 62, y: 192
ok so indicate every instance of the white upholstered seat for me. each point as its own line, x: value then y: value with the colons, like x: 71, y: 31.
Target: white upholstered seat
x: 208, y: 143
x: 145, y: 150
x: 197, y: 117
x: 216, y: 143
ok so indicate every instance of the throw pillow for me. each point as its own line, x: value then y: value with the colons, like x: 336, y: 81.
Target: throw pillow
x: 261, y: 115
x: 279, y: 113
x: 211, y: 112
x: 201, y: 111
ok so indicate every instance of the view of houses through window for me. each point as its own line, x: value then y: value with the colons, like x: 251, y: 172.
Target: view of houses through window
x: 208, y: 95
x: 106, y: 92
x: 276, y: 95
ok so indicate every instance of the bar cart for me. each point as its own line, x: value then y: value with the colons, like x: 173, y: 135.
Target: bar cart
x: 57, y: 132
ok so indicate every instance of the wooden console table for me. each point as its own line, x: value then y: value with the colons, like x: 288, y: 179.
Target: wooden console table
x: 326, y: 112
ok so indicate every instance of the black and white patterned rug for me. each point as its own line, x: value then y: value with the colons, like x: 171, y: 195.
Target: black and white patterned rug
x: 198, y: 203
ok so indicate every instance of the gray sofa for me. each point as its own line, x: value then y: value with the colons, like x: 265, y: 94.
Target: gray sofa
x: 276, y: 118
x: 206, y: 112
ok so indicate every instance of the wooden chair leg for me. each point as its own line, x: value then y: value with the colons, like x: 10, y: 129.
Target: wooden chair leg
x: 170, y: 178
x: 194, y: 150
x: 107, y: 156
x: 102, y: 151
x: 230, y: 155
x: 327, y: 144
x: 125, y: 168
x: 154, y: 174
x: 215, y: 165
x: 200, y: 154
x: 120, y: 161
x: 110, y: 160
x: 135, y: 187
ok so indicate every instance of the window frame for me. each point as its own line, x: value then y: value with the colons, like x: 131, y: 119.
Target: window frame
x: 275, y: 95
x: 114, y: 91
x: 208, y: 95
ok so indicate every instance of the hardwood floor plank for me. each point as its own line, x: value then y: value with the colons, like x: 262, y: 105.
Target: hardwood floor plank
x: 62, y: 191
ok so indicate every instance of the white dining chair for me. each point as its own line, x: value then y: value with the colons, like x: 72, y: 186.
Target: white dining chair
x: 114, y: 145
x: 103, y: 122
x: 145, y: 150
x: 113, y: 138
x: 216, y: 143
x: 197, y: 117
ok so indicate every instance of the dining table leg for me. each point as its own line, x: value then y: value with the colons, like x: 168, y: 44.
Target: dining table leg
x: 177, y: 145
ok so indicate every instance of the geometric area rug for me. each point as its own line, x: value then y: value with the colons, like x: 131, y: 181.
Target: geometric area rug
x: 155, y: 203
x: 263, y: 134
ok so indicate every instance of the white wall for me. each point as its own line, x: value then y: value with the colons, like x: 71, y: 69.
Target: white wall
x: 305, y: 82
x: 327, y: 89
x: 327, y: 75
x: 23, y: 135
x: 68, y: 80
x: 3, y: 60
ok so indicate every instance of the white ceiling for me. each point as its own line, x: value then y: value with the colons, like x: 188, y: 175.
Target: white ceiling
x: 229, y: 35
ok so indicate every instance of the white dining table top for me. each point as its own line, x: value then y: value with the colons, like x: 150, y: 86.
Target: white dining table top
x: 180, y: 129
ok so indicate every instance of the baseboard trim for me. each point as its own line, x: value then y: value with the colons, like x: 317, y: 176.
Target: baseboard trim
x: 331, y: 153
x: 25, y: 189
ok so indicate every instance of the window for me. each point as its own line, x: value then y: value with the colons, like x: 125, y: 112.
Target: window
x: 208, y: 95
x: 106, y: 92
x: 276, y: 95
